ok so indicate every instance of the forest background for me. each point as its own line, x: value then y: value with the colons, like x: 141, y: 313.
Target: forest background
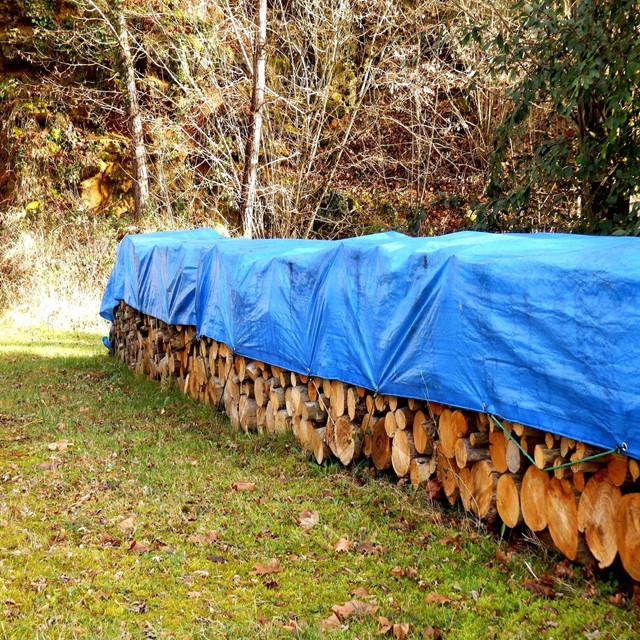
x: 425, y: 117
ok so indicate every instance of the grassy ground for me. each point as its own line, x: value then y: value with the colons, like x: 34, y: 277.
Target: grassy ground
x: 135, y: 531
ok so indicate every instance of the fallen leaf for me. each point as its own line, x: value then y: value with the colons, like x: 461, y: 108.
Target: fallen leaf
x: 138, y: 547
x: 502, y: 557
x: 593, y: 635
x: 343, y: 545
x: 539, y: 588
x: 400, y: 630
x: 200, y: 538
x: 384, y: 626
x: 108, y: 540
x: 242, y: 485
x: 398, y: 572
x: 361, y: 592
x: 617, y: 599
x: 332, y: 622
x: 218, y: 559
x: 127, y: 524
x: 436, y: 598
x: 261, y: 569
x: 194, y: 594
x: 365, y: 547
x: 353, y: 607
x: 270, y: 583
x: 60, y: 445
x: 309, y: 519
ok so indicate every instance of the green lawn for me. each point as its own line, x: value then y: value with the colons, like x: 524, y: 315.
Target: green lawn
x: 112, y: 537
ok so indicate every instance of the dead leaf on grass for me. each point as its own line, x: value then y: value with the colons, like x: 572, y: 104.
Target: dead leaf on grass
x: 343, y: 545
x: 398, y: 572
x: 436, y: 598
x: 539, y: 588
x: 384, y: 626
x: 361, y: 592
x: 109, y: 541
x: 200, y: 538
x: 242, y: 485
x: 194, y: 594
x: 354, y: 607
x: 60, y: 445
x: 332, y: 622
x: 400, y: 630
x: 261, y: 569
x: 138, y: 547
x: 127, y: 524
x: 502, y: 557
x: 308, y: 519
x: 365, y: 547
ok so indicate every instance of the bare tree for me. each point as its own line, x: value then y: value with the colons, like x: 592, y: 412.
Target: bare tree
x: 252, y: 151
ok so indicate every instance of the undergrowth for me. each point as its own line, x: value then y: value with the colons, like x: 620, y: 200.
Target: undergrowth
x: 118, y: 519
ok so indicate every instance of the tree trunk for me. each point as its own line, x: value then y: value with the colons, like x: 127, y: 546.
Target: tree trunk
x: 249, y: 179
x: 136, y: 134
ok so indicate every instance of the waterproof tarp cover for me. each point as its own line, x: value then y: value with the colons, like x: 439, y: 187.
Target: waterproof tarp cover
x: 542, y: 329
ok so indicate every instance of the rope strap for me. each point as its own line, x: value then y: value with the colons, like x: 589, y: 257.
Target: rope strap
x: 559, y: 466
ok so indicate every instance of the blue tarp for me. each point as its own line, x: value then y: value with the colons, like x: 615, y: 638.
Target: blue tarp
x: 542, y: 329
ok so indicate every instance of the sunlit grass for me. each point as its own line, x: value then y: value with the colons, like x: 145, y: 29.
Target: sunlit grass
x: 140, y: 452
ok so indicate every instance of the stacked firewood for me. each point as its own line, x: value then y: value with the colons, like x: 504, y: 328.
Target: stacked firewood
x: 587, y: 505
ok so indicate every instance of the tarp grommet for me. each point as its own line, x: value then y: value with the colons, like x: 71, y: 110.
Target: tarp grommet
x: 623, y: 446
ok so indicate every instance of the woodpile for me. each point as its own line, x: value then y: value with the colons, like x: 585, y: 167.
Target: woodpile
x: 588, y: 506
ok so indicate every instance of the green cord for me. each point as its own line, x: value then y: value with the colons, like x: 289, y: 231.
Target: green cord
x: 560, y: 466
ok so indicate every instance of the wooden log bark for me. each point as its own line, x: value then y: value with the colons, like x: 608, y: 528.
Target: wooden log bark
x: 247, y: 413
x: 498, y: 450
x: 389, y: 424
x: 545, y: 457
x: 380, y: 446
x: 484, y: 479
x: 618, y: 466
x: 628, y: 533
x: 421, y: 469
x: 403, y: 417
x: 533, y: 498
x: 447, y: 471
x: 508, y: 500
x: 464, y: 483
x: 348, y: 440
x: 321, y: 451
x: 562, y: 516
x: 465, y: 454
x: 403, y: 451
x: 596, y: 517
x: 424, y: 430
x: 451, y: 427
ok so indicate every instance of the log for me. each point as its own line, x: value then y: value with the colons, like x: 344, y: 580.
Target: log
x: 465, y: 454
x: 423, y: 431
x: 447, y: 471
x: 498, y: 450
x: 319, y: 447
x: 312, y: 411
x: 348, y: 440
x: 566, y: 446
x: 533, y: 498
x: 628, y: 533
x: 355, y: 405
x: 618, y: 465
x: 380, y: 403
x: 277, y: 397
x: 283, y: 422
x: 562, y: 516
x: 403, y: 417
x: 596, y: 517
x: 338, y: 398
x: 452, y: 425
x: 414, y: 404
x: 389, y: 424
x: 464, y: 483
x: 634, y: 469
x: 261, y: 419
x: 261, y: 391
x: 508, y: 500
x: 247, y: 413
x: 403, y: 451
x: 544, y: 457
x: 421, y: 469
x: 270, y: 417
x: 380, y: 446
x: 479, y: 438
x: 312, y: 390
x: 549, y: 440
x: 299, y: 395
x: 484, y: 479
